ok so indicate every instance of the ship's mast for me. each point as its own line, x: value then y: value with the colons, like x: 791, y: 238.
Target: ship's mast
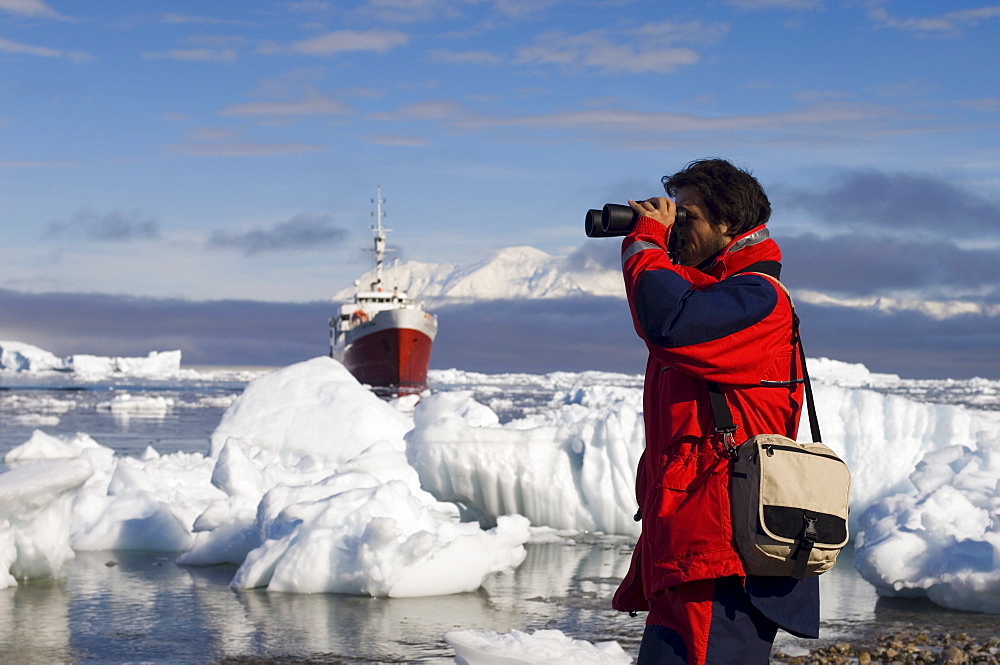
x: 379, y: 232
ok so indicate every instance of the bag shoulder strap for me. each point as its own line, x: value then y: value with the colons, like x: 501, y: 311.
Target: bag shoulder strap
x: 769, y: 268
x: 720, y: 408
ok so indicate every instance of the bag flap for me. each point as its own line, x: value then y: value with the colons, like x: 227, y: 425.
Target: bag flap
x: 802, y: 478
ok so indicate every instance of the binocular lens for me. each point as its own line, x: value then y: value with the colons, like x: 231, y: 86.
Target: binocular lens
x: 617, y: 220
x: 592, y: 224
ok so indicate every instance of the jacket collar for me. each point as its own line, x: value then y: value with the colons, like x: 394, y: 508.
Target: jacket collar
x: 753, y: 246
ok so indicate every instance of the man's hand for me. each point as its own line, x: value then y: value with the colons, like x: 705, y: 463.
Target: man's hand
x: 659, y: 208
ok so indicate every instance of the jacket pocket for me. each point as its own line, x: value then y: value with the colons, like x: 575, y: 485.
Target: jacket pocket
x: 782, y: 368
x: 690, y: 465
x: 692, y: 506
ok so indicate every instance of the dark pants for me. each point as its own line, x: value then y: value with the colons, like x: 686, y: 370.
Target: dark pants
x: 709, y: 622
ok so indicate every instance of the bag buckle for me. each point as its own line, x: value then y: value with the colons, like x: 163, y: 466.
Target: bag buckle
x: 729, y: 441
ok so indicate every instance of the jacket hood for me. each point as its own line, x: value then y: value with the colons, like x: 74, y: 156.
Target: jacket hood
x: 753, y: 246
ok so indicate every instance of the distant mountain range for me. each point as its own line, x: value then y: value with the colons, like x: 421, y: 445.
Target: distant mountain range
x: 934, y: 309
x: 510, y: 273
x: 528, y: 273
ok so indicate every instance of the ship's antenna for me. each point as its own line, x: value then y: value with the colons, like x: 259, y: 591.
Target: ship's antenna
x: 379, y: 232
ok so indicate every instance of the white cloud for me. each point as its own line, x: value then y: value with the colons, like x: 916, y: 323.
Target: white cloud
x: 244, y: 149
x: 27, y: 164
x: 9, y: 46
x: 653, y: 47
x: 464, y: 57
x: 194, y: 55
x: 405, y: 11
x: 520, y: 8
x: 437, y: 109
x: 310, y: 6
x: 181, y: 19
x: 949, y: 23
x: 341, y: 41
x: 825, y: 120
x: 833, y: 115
x: 217, y: 134
x: 33, y: 8
x: 397, y: 140
x: 777, y: 4
x: 986, y: 104
x: 410, y: 11
x: 314, y: 104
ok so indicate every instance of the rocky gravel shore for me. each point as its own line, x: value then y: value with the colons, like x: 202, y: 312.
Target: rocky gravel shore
x: 902, y: 648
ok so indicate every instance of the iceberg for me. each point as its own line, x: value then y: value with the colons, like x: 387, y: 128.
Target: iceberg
x: 21, y: 357
x: 320, y: 498
x: 571, y: 468
x: 35, y: 518
x: 25, y: 358
x: 943, y: 541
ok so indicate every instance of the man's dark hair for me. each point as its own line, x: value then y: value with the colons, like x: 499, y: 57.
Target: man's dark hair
x: 731, y: 195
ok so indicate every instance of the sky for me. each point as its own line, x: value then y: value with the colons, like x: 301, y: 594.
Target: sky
x: 190, y: 158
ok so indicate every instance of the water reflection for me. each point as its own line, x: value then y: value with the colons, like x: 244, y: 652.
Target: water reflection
x: 34, y: 623
x: 142, y: 607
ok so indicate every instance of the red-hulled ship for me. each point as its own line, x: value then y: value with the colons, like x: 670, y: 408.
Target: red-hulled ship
x: 382, y: 337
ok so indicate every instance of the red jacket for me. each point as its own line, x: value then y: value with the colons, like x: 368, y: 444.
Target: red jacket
x: 711, y: 325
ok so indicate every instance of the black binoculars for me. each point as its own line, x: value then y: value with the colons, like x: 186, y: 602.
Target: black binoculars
x: 617, y: 220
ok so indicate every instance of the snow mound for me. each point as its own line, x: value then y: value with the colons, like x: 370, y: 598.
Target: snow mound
x: 944, y: 541
x: 35, y: 519
x: 314, y: 408
x: 543, y: 647
x: 319, y: 497
x: 573, y: 468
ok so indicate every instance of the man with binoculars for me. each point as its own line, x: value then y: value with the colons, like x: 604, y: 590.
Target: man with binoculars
x: 700, y: 274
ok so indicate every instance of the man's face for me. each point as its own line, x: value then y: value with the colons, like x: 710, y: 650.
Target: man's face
x: 697, y: 239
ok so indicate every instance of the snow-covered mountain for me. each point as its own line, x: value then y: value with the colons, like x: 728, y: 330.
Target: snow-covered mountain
x: 528, y: 273
x: 512, y: 272
x: 934, y: 309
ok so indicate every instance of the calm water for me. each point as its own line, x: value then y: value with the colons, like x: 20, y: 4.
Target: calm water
x: 131, y: 607
x: 143, y: 608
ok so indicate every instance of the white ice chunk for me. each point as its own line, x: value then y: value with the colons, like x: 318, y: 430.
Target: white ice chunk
x: 21, y: 357
x: 35, y: 518
x: 320, y: 498
x: 42, y: 446
x: 944, y: 541
x: 573, y: 468
x: 156, y: 364
x: 378, y: 541
x: 543, y: 647
x: 311, y: 408
x: 128, y: 404
x: 144, y: 504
